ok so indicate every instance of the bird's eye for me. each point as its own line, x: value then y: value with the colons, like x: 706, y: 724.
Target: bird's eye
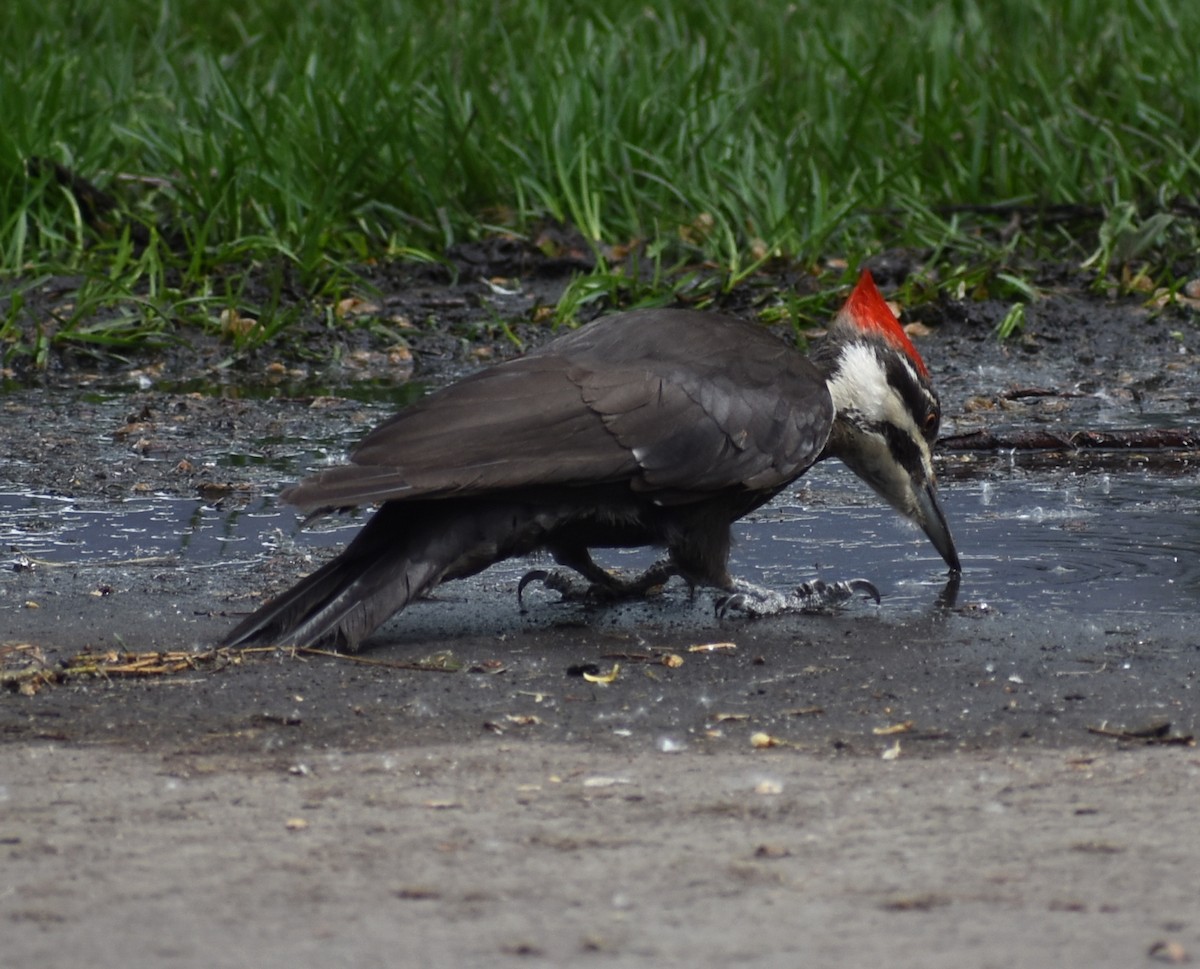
x: 931, y: 423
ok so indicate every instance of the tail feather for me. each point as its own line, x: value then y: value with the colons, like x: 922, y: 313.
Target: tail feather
x: 408, y: 547
x: 388, y: 564
x: 366, y: 601
x: 273, y: 622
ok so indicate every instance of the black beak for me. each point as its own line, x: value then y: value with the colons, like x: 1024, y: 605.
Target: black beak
x: 933, y: 521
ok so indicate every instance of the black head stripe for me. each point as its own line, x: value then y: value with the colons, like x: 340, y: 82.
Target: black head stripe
x: 904, y: 449
x: 917, y: 394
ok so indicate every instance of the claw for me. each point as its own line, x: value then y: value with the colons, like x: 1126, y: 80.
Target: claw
x: 554, y: 581
x: 866, y: 587
x: 833, y: 593
x: 533, y: 575
x: 723, y: 605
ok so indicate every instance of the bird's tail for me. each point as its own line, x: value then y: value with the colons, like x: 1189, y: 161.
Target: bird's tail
x: 396, y: 558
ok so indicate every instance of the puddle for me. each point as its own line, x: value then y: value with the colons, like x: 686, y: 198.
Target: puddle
x: 1093, y: 544
x: 58, y: 532
x: 1084, y: 543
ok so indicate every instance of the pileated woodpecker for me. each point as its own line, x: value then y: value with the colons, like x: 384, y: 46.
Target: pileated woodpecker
x: 655, y: 427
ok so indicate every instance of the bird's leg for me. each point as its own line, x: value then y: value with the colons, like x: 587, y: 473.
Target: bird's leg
x: 810, y: 597
x: 602, y: 584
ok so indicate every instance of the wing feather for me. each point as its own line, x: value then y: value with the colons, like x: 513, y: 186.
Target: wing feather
x: 674, y: 402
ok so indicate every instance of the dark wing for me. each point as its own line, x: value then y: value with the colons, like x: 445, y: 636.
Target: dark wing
x: 703, y: 402
x: 519, y: 424
x: 678, y: 404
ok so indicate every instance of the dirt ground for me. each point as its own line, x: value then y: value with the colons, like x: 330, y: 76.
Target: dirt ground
x: 947, y: 789
x: 504, y: 853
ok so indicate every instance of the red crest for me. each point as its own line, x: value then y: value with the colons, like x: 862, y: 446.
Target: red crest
x: 867, y: 311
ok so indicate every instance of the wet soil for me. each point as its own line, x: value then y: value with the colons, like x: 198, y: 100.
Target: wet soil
x: 933, y: 782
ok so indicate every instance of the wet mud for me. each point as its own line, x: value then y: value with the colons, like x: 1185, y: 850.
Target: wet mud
x: 999, y: 773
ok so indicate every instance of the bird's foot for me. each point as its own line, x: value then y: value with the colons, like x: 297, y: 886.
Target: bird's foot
x: 609, y: 587
x: 566, y: 585
x: 809, y: 597
x: 823, y: 595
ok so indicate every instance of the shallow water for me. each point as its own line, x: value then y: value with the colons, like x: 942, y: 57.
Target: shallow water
x: 1092, y: 544
x: 1089, y: 543
x: 65, y: 532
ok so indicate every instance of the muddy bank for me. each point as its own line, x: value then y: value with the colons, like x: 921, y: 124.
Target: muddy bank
x: 960, y: 781
x: 104, y: 449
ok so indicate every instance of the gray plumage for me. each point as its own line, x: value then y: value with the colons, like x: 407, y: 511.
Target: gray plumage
x: 657, y: 427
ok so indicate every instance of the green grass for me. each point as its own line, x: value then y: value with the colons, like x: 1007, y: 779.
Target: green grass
x: 303, y: 138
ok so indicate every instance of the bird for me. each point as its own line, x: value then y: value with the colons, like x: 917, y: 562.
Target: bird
x: 654, y: 427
